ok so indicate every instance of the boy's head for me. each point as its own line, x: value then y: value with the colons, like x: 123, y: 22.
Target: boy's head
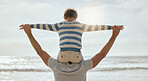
x: 70, y: 14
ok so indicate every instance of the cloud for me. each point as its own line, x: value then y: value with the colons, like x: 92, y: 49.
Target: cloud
x: 23, y: 11
x: 131, y: 13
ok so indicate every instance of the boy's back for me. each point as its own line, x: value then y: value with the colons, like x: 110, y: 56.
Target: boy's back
x: 70, y: 34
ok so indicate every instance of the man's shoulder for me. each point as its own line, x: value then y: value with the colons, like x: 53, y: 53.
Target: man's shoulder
x: 88, y: 64
x: 52, y: 62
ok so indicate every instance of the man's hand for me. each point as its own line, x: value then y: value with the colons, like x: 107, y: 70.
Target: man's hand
x: 116, y: 30
x: 26, y: 28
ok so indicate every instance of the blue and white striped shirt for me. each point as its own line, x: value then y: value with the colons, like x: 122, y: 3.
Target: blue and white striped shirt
x: 70, y: 33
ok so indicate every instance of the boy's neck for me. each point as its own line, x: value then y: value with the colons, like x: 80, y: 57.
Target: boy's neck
x: 70, y: 20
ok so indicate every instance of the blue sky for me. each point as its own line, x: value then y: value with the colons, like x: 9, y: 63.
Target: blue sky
x: 130, y: 13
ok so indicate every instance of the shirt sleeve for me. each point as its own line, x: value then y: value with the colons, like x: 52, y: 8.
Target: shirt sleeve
x: 87, y: 28
x: 52, y: 62
x: 88, y: 64
x: 49, y: 27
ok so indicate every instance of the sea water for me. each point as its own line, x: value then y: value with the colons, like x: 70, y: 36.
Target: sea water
x: 111, y: 68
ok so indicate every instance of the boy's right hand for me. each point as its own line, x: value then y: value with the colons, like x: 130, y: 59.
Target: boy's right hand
x: 26, y: 28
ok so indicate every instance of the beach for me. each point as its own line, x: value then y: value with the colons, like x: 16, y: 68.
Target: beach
x: 110, y: 69
x: 122, y: 75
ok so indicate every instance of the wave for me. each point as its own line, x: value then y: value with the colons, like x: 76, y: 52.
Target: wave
x: 94, y: 70
x: 34, y: 64
x: 119, y: 68
x: 26, y: 70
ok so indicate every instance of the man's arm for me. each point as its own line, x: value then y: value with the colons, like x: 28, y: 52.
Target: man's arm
x: 44, y: 55
x: 98, y: 57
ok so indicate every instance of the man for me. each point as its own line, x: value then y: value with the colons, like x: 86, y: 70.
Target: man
x: 75, y: 71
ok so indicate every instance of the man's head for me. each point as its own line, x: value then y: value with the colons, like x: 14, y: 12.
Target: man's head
x: 70, y: 14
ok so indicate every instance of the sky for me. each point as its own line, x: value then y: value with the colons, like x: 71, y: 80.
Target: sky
x: 133, y: 14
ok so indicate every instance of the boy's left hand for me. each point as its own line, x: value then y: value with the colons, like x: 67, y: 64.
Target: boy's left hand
x: 26, y: 28
x: 120, y: 26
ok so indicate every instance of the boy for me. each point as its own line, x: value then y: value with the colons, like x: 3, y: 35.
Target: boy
x: 70, y: 32
x: 72, y: 72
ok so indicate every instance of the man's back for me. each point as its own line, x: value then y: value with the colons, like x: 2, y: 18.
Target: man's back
x: 73, y: 72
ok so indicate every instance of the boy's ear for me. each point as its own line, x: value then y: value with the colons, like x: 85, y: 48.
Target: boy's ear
x: 75, y: 18
x: 65, y: 18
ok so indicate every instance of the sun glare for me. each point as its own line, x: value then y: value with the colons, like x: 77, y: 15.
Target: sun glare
x: 94, y: 15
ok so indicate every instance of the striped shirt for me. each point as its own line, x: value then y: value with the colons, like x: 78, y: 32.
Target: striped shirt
x: 70, y: 33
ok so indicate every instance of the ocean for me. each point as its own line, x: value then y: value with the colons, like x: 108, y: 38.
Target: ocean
x: 111, y: 68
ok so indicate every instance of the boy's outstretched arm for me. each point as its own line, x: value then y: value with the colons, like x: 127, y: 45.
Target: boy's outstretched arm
x: 49, y: 27
x: 98, y: 57
x: 44, y: 55
x: 89, y: 28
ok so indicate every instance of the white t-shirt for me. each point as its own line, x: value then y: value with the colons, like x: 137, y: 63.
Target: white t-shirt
x: 73, y: 72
